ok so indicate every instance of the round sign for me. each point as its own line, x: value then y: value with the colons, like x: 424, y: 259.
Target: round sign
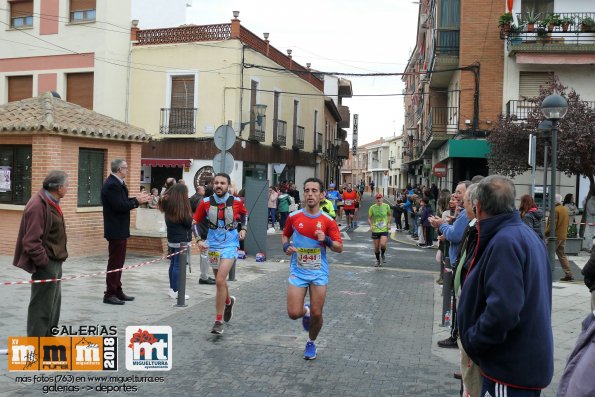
x: 439, y: 170
x: 223, y: 162
x: 224, y: 137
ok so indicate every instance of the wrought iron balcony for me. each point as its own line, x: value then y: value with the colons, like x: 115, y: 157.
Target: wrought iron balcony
x: 442, y: 120
x: 258, y: 132
x: 520, y: 109
x: 178, y: 121
x: 318, y: 143
x: 280, y: 133
x: 447, y: 42
x: 298, y: 137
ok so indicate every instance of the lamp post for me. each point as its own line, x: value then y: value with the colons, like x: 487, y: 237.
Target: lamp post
x: 259, y: 110
x: 553, y: 107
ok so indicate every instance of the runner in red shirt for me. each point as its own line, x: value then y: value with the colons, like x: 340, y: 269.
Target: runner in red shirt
x: 350, y: 199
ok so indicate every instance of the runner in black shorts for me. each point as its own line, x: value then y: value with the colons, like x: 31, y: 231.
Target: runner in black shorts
x: 379, y: 220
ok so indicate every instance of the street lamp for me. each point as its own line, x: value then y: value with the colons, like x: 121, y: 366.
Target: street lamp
x: 259, y: 110
x: 553, y: 107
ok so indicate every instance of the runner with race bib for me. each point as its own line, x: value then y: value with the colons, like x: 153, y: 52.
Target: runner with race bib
x: 379, y: 220
x: 312, y: 231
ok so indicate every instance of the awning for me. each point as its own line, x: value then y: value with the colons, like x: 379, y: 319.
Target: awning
x: 171, y: 163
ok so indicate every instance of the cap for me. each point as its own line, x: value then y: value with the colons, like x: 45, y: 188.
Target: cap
x: 379, y: 196
x: 331, y: 185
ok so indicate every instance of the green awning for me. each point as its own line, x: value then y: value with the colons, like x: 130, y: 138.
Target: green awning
x: 469, y: 148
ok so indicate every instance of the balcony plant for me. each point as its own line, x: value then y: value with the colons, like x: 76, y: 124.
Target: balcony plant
x: 551, y: 21
x: 531, y: 19
x: 505, y: 22
x: 565, y: 23
x: 587, y: 24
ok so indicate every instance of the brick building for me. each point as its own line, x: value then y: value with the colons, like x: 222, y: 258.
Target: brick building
x: 45, y: 133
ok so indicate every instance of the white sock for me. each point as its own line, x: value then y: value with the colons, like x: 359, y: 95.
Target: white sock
x: 307, y: 314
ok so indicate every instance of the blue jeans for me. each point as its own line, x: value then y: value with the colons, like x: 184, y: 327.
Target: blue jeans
x: 174, y: 268
x: 273, y: 215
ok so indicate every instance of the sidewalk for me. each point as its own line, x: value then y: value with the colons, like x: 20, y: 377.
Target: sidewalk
x: 571, y: 303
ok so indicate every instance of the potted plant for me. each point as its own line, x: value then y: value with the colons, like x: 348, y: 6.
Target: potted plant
x: 587, y: 24
x: 573, y: 242
x: 565, y: 23
x: 514, y: 36
x: 505, y: 23
x: 542, y: 33
x: 531, y: 19
x: 551, y: 21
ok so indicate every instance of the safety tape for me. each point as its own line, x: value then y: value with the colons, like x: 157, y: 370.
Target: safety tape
x: 53, y: 280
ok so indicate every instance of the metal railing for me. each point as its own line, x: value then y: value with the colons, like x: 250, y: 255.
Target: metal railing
x: 447, y: 41
x: 258, y: 133
x: 442, y: 120
x: 298, y: 137
x: 178, y: 121
x: 280, y: 133
x: 318, y: 145
x: 520, y: 109
x: 574, y: 33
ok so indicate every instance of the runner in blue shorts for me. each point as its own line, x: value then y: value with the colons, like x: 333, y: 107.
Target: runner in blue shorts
x: 224, y: 213
x: 313, y: 232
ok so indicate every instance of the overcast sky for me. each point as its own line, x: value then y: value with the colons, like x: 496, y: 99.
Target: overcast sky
x: 349, y: 36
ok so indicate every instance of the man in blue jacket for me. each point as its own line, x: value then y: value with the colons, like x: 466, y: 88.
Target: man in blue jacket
x: 505, y: 306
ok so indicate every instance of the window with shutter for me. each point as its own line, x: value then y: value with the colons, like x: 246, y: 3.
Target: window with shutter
x: 20, y: 87
x: 529, y: 83
x: 21, y: 14
x: 82, y: 10
x: 79, y: 89
x: 15, y: 174
x: 181, y: 116
x: 90, y: 180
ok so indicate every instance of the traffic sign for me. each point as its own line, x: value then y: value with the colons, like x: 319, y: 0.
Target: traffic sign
x: 223, y: 162
x: 439, y: 170
x: 224, y: 137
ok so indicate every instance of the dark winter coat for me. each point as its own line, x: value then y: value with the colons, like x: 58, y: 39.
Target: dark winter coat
x: 533, y: 219
x: 116, y: 209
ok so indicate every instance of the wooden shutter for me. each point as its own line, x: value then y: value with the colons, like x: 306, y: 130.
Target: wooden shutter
x: 529, y: 83
x: 20, y: 87
x: 21, y: 9
x: 182, y: 92
x: 79, y: 89
x: 78, y: 5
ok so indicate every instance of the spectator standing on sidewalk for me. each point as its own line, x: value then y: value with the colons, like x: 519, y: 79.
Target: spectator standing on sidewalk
x: 41, y: 250
x: 454, y: 234
x: 531, y: 215
x: 116, y: 224
x: 571, y: 207
x: 425, y: 212
x: 313, y: 232
x: 590, y: 222
x: 283, y: 203
x: 197, y: 197
x: 272, y: 205
x: 178, y: 220
x: 506, y: 301
x: 577, y: 379
x: 561, y: 230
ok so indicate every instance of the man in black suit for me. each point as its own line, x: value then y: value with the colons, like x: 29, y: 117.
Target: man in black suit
x: 116, y: 226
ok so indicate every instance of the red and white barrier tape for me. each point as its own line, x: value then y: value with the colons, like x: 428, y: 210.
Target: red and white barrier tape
x: 53, y: 280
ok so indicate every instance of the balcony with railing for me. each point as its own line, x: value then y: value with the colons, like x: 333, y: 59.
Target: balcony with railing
x: 554, y: 33
x: 318, y: 143
x: 442, y: 121
x: 257, y: 130
x: 520, y: 109
x: 298, y: 137
x: 178, y: 121
x: 280, y: 133
x: 447, y: 41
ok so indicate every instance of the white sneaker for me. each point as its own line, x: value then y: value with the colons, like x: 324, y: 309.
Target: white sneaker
x: 174, y: 294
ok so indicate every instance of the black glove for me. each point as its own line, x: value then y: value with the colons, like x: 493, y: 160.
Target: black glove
x: 589, y: 272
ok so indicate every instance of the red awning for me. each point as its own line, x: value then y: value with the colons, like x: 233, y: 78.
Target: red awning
x: 172, y: 163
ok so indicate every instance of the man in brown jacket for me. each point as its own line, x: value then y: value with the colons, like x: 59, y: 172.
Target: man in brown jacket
x: 561, y: 234
x: 41, y: 250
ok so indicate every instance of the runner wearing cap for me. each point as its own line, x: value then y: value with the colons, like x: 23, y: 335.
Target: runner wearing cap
x: 379, y: 220
x: 333, y: 196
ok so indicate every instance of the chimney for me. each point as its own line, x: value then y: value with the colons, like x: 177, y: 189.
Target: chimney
x: 134, y: 30
x: 266, y: 40
x: 235, y: 26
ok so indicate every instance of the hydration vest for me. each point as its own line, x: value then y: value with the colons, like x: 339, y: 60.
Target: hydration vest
x: 228, y: 216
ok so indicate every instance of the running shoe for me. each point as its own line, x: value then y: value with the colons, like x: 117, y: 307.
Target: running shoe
x: 383, y: 259
x: 228, y: 312
x: 217, y: 328
x: 310, y: 351
x: 377, y: 264
x: 306, y: 318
